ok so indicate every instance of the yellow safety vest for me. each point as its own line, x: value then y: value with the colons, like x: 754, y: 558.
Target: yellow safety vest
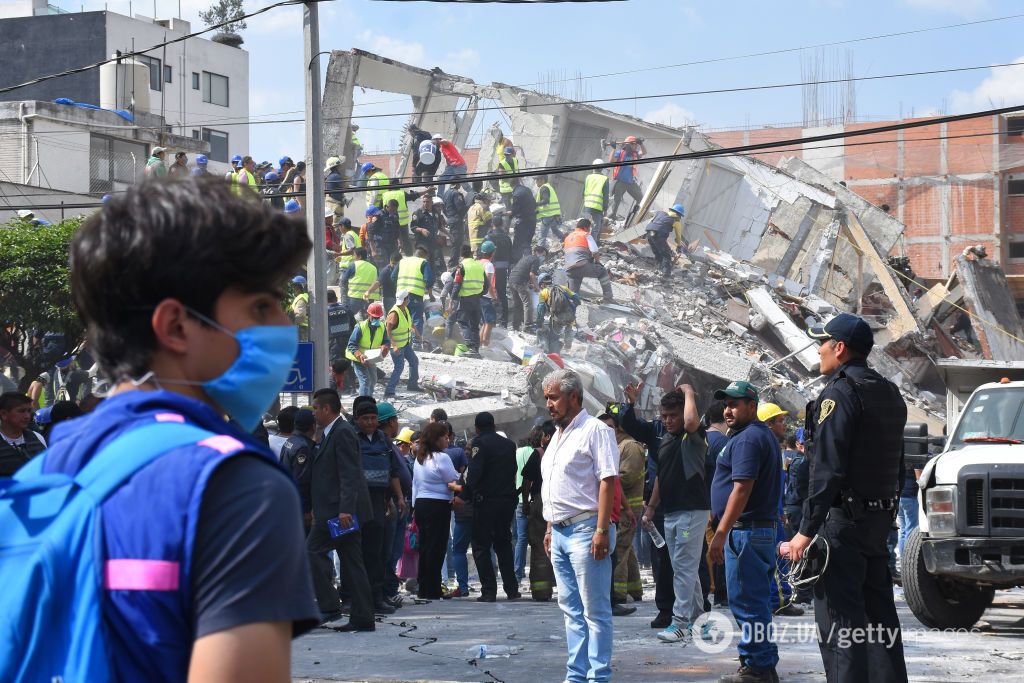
x: 362, y: 279
x: 377, y: 181
x: 302, y: 297
x: 551, y: 208
x: 237, y: 187
x: 593, y: 191
x: 472, y: 277
x: 347, y: 260
x: 403, y: 208
x: 475, y: 238
x: 503, y: 185
x: 367, y: 339
x: 403, y: 330
x: 410, y: 275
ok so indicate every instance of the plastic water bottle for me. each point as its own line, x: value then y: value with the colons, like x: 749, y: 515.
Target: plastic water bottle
x: 652, y: 531
x: 484, y: 651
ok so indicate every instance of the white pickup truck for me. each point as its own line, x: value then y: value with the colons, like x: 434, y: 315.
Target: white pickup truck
x: 970, y: 542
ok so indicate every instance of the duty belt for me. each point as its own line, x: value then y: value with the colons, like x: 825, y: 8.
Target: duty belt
x: 575, y: 519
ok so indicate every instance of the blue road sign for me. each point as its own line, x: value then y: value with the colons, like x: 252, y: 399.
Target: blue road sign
x: 300, y: 379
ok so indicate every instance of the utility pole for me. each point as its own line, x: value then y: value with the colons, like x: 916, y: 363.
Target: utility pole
x: 315, y: 269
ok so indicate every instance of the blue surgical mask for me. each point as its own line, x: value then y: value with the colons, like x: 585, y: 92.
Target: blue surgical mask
x: 248, y: 387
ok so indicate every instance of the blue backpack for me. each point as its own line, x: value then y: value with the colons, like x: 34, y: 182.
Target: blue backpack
x: 51, y: 623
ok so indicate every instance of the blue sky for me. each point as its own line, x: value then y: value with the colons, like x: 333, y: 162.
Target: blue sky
x: 519, y: 43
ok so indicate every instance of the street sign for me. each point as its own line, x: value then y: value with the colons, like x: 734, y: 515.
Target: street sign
x: 300, y: 379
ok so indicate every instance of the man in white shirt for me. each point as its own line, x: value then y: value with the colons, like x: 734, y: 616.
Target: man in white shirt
x: 579, y: 469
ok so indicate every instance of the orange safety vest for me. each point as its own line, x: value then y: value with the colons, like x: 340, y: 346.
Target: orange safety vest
x: 577, y: 239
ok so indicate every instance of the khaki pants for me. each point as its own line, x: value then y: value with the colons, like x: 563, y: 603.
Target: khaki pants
x: 626, y: 578
x: 542, y: 576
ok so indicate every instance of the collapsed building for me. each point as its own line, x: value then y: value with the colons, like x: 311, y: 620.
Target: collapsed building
x: 771, y: 249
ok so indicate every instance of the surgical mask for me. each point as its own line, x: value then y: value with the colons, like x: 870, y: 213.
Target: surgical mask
x: 250, y: 384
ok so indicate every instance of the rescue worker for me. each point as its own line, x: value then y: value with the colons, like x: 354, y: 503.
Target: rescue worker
x: 201, y: 162
x: 455, y: 164
x: 236, y: 165
x: 661, y: 226
x: 271, y: 191
x: 508, y: 163
x: 549, y: 212
x: 339, y: 326
x: 368, y: 335
x: 855, y: 429
x: 348, y: 242
x: 502, y: 259
x: 632, y: 461
x: 466, y: 290
x: 299, y: 309
x: 559, y: 304
x: 356, y: 281
x: 180, y: 166
x: 478, y: 217
x: 393, y: 228
x: 374, y: 230
x: 455, y: 209
x: 245, y: 177
x: 522, y: 219
x: 595, y: 199
x: 376, y: 180
x: 155, y: 167
x: 400, y: 331
x: 416, y: 278
x: 582, y: 259
x: 334, y: 181
x: 400, y: 199
x: 625, y: 176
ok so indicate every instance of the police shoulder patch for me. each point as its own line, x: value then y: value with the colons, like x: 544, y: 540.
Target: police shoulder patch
x: 475, y: 451
x: 827, y: 406
x: 301, y: 458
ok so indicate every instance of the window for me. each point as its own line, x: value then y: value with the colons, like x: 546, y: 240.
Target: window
x: 218, y: 144
x: 1016, y: 249
x: 167, y: 74
x: 1015, y: 126
x: 195, y: 81
x: 154, y: 71
x: 114, y: 164
x: 195, y: 134
x: 215, y: 89
x: 1015, y: 186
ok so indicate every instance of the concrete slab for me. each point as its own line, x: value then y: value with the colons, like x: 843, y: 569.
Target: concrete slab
x: 474, y: 374
x: 462, y: 413
x: 996, y: 321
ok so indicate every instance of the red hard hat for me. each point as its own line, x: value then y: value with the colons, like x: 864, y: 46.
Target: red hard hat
x: 630, y: 138
x: 376, y: 310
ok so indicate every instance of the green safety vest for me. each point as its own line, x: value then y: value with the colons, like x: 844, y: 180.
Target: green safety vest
x: 347, y: 260
x: 593, y: 191
x: 367, y: 339
x: 403, y: 208
x: 551, y: 208
x: 377, y: 181
x: 362, y: 279
x: 410, y: 275
x: 503, y: 185
x: 302, y: 297
x: 236, y: 185
x: 403, y: 330
x: 472, y: 277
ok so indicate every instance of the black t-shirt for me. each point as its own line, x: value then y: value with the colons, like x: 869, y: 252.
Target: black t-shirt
x: 520, y: 274
x: 249, y: 563
x: 531, y: 471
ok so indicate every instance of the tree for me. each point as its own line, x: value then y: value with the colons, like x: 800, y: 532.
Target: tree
x: 225, y: 10
x: 35, y: 292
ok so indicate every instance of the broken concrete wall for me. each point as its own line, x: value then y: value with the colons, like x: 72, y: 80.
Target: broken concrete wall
x: 996, y: 321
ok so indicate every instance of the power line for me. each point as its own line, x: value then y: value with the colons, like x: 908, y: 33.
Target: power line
x: 798, y: 143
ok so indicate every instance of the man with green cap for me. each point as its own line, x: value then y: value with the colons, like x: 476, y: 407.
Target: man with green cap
x: 488, y: 312
x: 745, y: 496
x: 394, y: 531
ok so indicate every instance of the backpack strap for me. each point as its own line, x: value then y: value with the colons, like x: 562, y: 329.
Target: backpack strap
x: 132, y: 451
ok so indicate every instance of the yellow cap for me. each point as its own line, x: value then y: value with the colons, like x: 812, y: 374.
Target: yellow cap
x: 405, y: 436
x: 767, y: 411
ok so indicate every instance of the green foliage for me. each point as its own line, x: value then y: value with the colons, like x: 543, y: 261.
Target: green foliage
x: 35, y: 287
x: 225, y: 10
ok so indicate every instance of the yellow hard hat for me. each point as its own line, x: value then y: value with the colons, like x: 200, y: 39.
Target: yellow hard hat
x: 767, y: 411
x: 405, y: 436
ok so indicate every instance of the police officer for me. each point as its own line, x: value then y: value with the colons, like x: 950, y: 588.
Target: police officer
x: 296, y: 456
x: 855, y: 436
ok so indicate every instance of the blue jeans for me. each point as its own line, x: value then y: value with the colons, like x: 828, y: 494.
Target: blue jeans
x: 399, y: 357
x: 596, y: 222
x: 551, y: 224
x: 908, y: 520
x: 521, y: 542
x: 749, y: 564
x: 462, y: 534
x: 367, y: 376
x: 415, y: 305
x: 780, y: 589
x: 450, y: 173
x: 585, y: 600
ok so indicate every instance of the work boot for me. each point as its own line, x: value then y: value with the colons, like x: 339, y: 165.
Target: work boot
x: 606, y: 289
x: 621, y: 610
x: 790, y: 610
x: 748, y: 674
x: 663, y: 619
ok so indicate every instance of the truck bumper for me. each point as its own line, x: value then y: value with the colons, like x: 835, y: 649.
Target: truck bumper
x: 999, y: 561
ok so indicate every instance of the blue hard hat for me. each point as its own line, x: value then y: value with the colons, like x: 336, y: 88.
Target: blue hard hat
x: 678, y: 208
x: 292, y: 206
x: 509, y: 150
x: 372, y: 211
x: 236, y: 159
x: 271, y: 177
x: 201, y: 160
x: 299, y: 280
x: 365, y: 168
x: 285, y: 160
x: 42, y: 416
x: 106, y: 198
x: 198, y: 171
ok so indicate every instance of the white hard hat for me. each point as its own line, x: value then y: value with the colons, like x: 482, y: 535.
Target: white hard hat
x: 402, y: 295
x: 25, y: 213
x: 597, y: 162
x: 436, y: 136
x: 329, y: 213
x: 438, y: 200
x: 446, y: 277
x: 497, y: 208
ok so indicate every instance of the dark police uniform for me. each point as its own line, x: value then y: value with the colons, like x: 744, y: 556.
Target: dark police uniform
x: 856, y: 431
x: 296, y: 456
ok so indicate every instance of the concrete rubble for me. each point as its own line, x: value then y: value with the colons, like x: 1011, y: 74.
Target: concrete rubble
x: 767, y: 252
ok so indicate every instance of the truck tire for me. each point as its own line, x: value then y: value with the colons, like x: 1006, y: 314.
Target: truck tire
x: 938, y: 602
